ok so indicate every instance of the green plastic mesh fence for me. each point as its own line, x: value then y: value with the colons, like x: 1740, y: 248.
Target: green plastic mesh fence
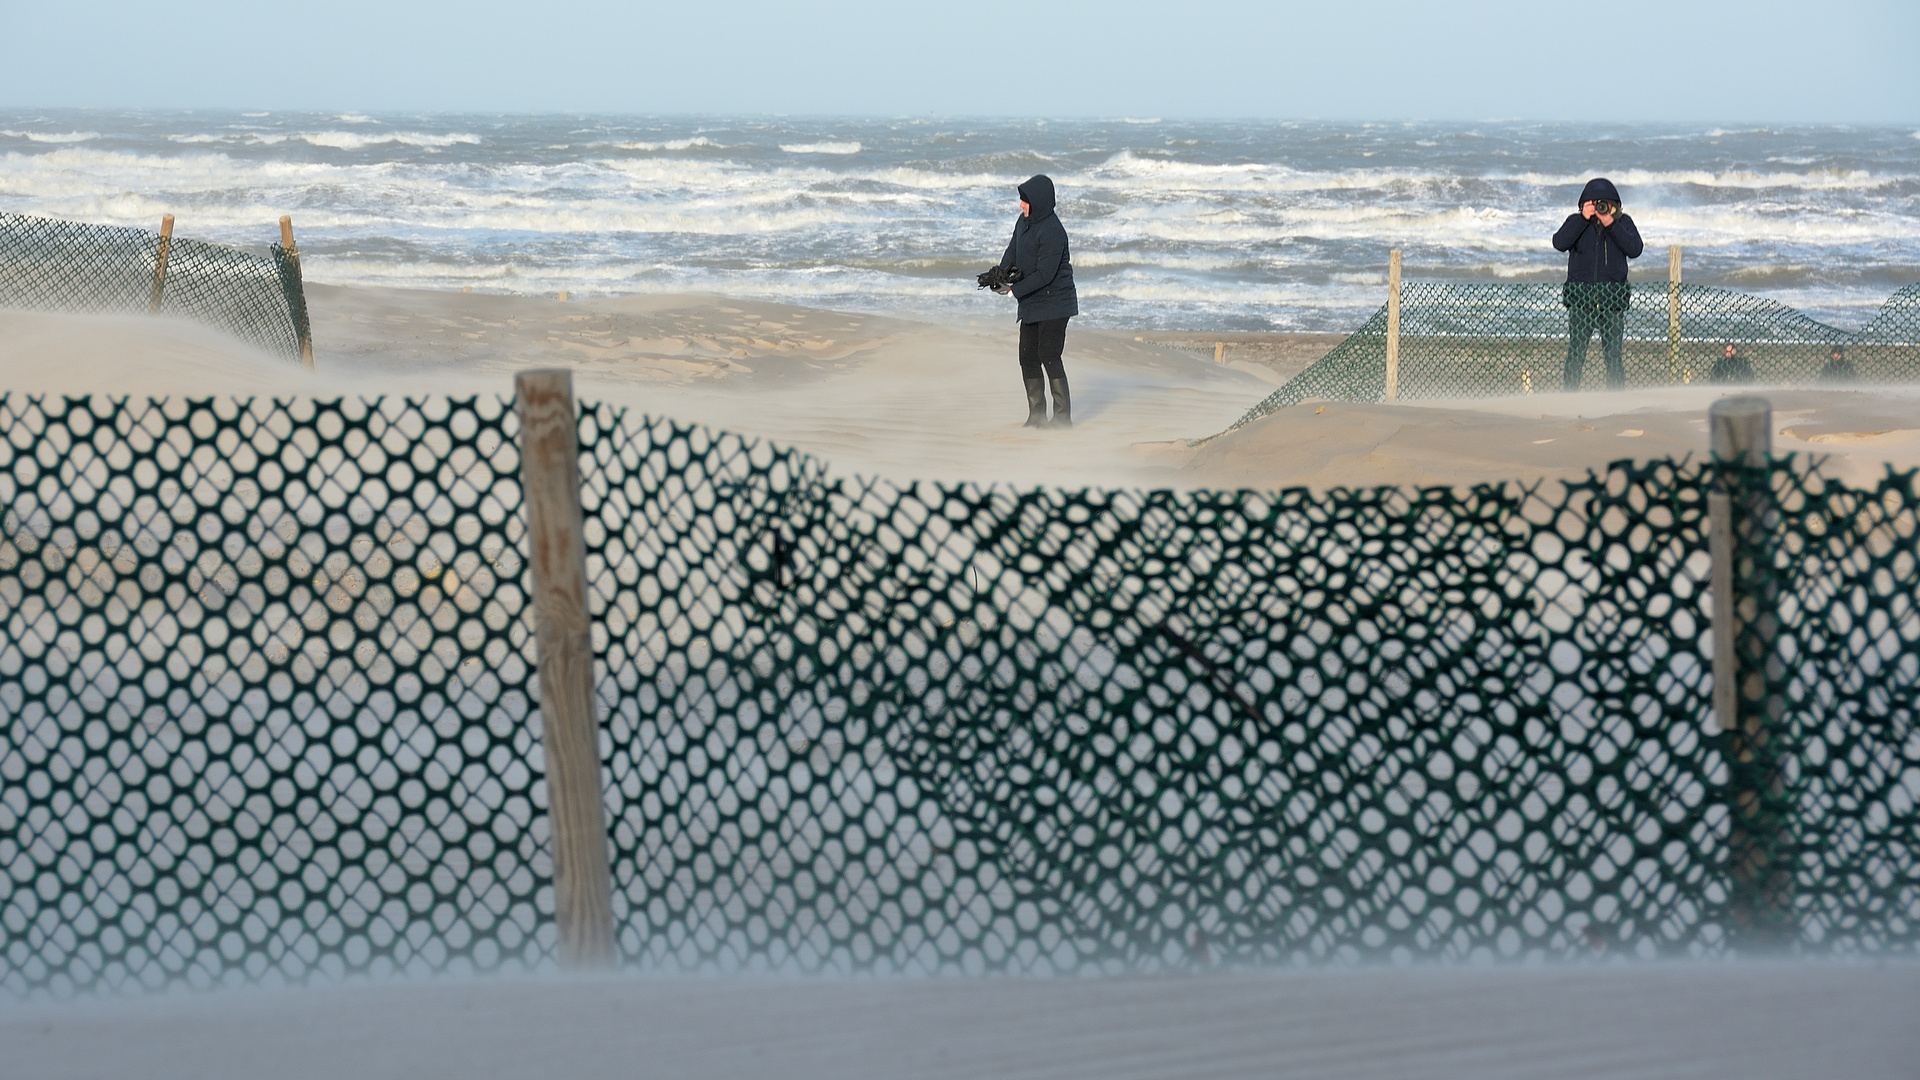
x: 51, y: 265
x: 270, y: 711
x: 1498, y: 340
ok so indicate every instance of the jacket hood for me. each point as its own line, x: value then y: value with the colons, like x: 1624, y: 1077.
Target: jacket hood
x: 1599, y: 188
x: 1038, y: 195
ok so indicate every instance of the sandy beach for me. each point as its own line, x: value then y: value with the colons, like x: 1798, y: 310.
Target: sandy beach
x: 905, y: 400
x: 912, y: 400
x: 1751, y: 1020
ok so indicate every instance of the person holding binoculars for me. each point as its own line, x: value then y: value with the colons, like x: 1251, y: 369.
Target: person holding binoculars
x: 1598, y: 241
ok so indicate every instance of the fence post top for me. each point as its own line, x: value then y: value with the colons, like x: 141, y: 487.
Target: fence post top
x: 1741, y: 427
x: 542, y: 381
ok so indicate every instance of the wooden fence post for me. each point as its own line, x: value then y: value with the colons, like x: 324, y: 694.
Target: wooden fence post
x: 1746, y: 629
x: 570, y: 731
x: 1393, y: 325
x: 160, y: 263
x: 1673, y: 314
x: 302, y: 328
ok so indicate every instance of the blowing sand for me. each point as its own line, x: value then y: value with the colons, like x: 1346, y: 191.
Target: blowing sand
x: 908, y: 400
x: 1753, y: 1021
x: 912, y: 400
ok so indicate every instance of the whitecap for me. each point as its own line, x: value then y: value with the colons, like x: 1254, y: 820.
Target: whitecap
x: 670, y: 144
x: 1812, y: 179
x: 53, y: 137
x: 347, y: 140
x: 248, y: 138
x: 356, y: 118
x: 821, y: 148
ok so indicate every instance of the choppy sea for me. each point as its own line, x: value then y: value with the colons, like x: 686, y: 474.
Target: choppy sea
x: 1230, y: 225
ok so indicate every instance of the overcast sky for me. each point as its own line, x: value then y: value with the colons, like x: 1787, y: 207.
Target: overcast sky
x: 1767, y: 60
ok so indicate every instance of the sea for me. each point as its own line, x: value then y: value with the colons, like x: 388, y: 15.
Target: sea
x: 1237, y: 225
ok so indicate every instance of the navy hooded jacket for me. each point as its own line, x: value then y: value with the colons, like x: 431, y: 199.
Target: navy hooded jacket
x: 1039, y: 249
x: 1596, y: 252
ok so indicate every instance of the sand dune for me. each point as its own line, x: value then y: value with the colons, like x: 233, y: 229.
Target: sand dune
x: 1551, y: 436
x: 880, y: 396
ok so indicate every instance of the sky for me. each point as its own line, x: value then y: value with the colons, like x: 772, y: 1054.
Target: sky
x: 1839, y: 61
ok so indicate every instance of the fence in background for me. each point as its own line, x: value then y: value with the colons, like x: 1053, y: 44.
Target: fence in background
x: 1441, y: 340
x: 269, y: 710
x: 52, y: 265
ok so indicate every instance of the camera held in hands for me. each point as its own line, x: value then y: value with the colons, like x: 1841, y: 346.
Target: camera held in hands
x: 999, y: 277
x: 1605, y: 208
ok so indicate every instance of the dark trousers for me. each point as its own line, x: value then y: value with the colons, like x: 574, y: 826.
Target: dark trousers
x: 1586, y: 317
x: 1041, y: 344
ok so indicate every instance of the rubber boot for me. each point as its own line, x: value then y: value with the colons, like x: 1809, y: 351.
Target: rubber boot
x: 1062, y: 404
x: 1036, y: 404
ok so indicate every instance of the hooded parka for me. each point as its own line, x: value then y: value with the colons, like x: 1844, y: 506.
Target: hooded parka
x: 1039, y: 249
x: 1597, y: 252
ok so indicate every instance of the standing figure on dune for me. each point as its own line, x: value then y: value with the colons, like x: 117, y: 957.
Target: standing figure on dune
x: 1598, y: 241
x: 1047, y: 300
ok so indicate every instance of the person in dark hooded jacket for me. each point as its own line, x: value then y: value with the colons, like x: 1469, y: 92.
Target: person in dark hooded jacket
x: 1047, y: 300
x: 1598, y: 241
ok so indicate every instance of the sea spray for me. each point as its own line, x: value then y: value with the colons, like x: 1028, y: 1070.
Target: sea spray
x: 1175, y: 224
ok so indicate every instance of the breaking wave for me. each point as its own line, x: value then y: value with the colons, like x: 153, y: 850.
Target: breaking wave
x: 53, y: 136
x: 821, y: 148
x: 1234, y: 225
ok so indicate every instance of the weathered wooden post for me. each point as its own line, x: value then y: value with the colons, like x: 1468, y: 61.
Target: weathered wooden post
x: 160, y: 263
x: 297, y: 294
x: 570, y: 731
x: 1747, y: 708
x: 1393, y: 325
x: 1673, y: 314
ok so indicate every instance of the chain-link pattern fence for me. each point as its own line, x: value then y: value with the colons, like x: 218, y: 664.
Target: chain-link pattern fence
x: 270, y: 711
x: 52, y: 265
x: 1497, y: 340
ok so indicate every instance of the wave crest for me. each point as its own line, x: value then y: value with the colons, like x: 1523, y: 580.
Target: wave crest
x: 53, y: 136
x: 821, y: 148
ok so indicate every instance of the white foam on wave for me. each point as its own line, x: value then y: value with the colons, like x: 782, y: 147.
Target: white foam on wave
x: 1170, y: 173
x: 698, y: 141
x: 821, y: 148
x: 347, y: 140
x: 1197, y: 224
x: 77, y: 170
x: 53, y: 136
x: 230, y: 138
x: 1130, y: 171
x: 1812, y: 179
x: 1160, y: 259
x: 336, y: 140
x: 1728, y: 226
x: 1154, y: 230
x: 355, y: 118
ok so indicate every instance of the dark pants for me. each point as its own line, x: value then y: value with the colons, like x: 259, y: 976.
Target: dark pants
x: 1586, y: 316
x: 1041, y: 344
